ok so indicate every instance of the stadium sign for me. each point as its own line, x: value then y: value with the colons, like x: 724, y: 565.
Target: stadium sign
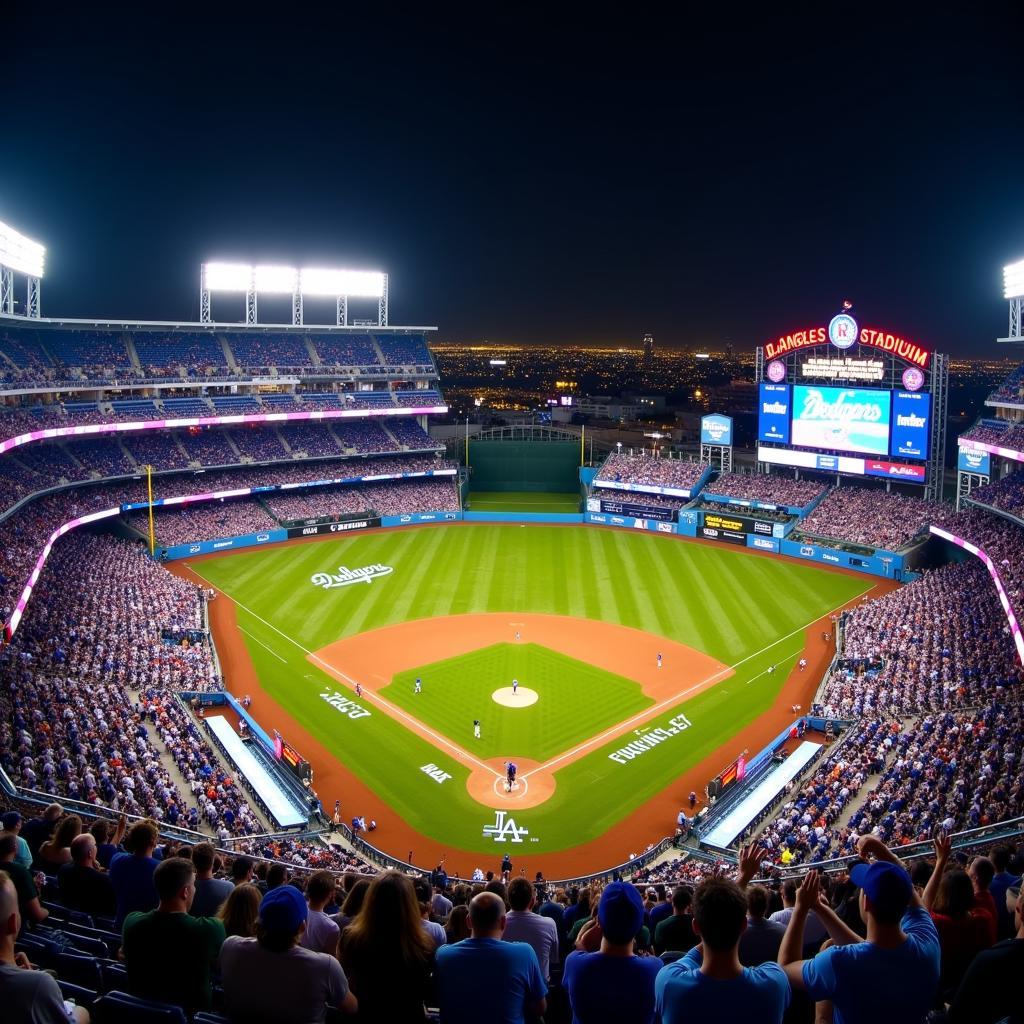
x: 716, y: 429
x: 346, y: 577
x: 974, y: 462
x: 843, y: 332
x: 316, y: 531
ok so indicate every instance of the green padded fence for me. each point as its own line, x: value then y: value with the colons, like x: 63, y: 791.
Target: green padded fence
x: 524, y: 466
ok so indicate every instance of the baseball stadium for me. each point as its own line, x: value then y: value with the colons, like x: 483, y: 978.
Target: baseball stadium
x: 250, y: 593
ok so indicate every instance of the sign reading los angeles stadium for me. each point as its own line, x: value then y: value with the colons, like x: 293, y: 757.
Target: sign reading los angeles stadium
x: 846, y: 334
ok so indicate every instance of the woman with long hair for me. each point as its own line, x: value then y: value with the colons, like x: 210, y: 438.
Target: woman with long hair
x: 386, y: 953
x: 56, y: 851
x: 241, y: 910
x: 352, y: 905
x: 457, y: 927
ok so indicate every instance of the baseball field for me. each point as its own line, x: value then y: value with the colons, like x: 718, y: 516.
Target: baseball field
x: 638, y: 659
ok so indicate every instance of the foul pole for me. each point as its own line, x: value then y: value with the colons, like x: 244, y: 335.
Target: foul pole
x: 149, y: 490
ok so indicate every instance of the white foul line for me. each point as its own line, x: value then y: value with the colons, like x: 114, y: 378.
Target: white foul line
x: 261, y: 643
x: 370, y: 696
x: 650, y: 712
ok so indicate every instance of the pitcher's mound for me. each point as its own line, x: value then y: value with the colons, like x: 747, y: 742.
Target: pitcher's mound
x: 522, y: 698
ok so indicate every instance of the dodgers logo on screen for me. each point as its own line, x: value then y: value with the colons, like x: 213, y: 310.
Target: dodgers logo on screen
x: 842, y: 331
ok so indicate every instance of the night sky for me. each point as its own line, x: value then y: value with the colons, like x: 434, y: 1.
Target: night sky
x: 528, y: 179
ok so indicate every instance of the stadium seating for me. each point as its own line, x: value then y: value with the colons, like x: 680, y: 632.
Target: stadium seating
x: 650, y: 470
x: 1007, y: 495
x: 401, y: 350
x: 873, y: 517
x: 1012, y: 389
x: 345, y: 350
x: 773, y: 488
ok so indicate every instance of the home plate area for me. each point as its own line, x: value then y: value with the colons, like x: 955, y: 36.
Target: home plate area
x: 521, y: 697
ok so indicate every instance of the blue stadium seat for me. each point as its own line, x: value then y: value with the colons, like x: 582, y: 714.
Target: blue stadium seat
x: 115, y: 977
x: 122, y: 1008
x: 79, y: 970
x: 83, y: 997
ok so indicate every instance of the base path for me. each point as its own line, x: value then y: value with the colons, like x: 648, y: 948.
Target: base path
x: 374, y: 658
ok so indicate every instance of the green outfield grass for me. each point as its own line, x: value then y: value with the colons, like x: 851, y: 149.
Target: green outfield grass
x: 575, y: 700
x: 523, y: 501
x: 747, y: 611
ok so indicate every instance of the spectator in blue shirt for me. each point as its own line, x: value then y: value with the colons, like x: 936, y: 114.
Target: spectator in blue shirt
x: 131, y: 873
x: 605, y: 980
x: 1001, y: 881
x: 485, y: 979
x: 894, y: 975
x: 709, y: 984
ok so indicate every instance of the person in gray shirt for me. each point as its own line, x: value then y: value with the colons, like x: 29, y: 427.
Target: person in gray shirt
x: 523, y: 925
x: 762, y: 938
x: 211, y: 893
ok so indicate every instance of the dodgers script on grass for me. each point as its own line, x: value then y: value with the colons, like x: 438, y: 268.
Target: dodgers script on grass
x: 576, y: 614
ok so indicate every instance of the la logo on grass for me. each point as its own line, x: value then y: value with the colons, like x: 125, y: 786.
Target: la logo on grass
x: 346, y: 577
x: 503, y: 827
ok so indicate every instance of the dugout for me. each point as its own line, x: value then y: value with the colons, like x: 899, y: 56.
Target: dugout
x: 525, y: 459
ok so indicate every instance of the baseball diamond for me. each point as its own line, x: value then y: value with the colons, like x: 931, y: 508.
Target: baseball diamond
x: 577, y: 614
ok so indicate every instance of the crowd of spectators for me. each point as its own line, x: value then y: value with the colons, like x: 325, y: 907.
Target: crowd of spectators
x: 366, y: 436
x: 1007, y: 494
x: 1002, y: 540
x: 1009, y: 436
x: 653, y: 500
x: 1011, y: 389
x: 771, y: 488
x: 208, y: 520
x: 651, y: 471
x: 874, y: 518
x: 87, y: 690
x: 939, y: 642
x: 345, y: 349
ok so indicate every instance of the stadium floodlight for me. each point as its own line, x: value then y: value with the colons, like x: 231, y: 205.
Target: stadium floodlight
x: 227, y: 277
x: 19, y: 253
x: 335, y: 283
x: 279, y: 280
x: 1013, y: 280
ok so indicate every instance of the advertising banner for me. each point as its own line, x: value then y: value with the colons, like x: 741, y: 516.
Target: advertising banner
x: 624, y: 508
x: 207, y: 547
x: 841, y: 419
x: 369, y: 523
x: 773, y: 413
x: 968, y: 461
x: 716, y: 429
x: 911, y: 418
x: 726, y: 536
x: 740, y: 524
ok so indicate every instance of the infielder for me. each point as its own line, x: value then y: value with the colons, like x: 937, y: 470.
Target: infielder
x: 476, y: 728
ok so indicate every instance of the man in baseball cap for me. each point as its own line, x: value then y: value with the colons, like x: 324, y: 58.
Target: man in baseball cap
x: 272, y: 977
x: 894, y: 975
x: 611, y: 983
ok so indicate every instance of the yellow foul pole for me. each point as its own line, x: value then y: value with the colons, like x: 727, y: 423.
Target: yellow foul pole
x: 149, y: 489
x: 583, y: 441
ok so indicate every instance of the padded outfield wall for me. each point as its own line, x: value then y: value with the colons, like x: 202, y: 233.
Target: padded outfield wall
x: 524, y: 466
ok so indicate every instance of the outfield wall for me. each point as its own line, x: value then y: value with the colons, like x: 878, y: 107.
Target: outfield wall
x: 525, y: 465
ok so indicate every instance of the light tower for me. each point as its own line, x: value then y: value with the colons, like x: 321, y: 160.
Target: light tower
x: 1013, y: 292
x: 20, y: 255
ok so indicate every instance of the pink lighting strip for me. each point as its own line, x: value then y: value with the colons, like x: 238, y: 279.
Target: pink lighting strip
x: 85, y: 429
x: 1011, y: 617
x: 992, y: 449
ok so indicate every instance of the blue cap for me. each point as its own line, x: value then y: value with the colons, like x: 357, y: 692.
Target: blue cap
x: 887, y: 885
x: 283, y: 909
x: 620, y: 912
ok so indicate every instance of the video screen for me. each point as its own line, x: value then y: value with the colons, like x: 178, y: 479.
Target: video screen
x: 841, y: 419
